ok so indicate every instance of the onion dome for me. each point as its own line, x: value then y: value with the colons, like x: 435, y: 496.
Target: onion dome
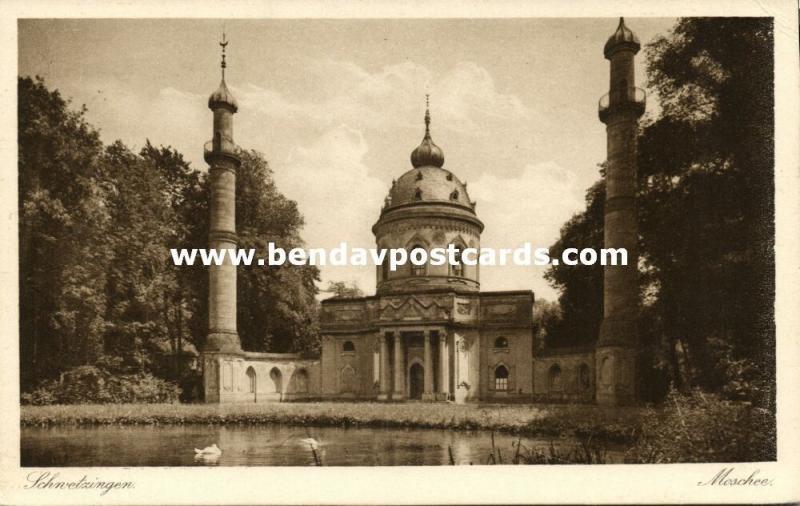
x: 623, y: 37
x: 427, y: 153
x: 223, y: 98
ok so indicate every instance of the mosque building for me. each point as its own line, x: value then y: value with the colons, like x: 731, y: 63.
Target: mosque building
x: 429, y: 333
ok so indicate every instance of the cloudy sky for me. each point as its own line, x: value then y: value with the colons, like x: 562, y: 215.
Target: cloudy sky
x: 336, y: 106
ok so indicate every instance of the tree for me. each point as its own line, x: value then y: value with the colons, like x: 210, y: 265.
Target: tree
x: 547, y: 318
x: 707, y: 200
x: 581, y: 286
x: 99, y: 295
x: 277, y: 308
x: 62, y: 219
x: 343, y: 290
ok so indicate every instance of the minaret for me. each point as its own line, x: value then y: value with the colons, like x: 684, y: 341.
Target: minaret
x: 620, y: 110
x: 222, y: 156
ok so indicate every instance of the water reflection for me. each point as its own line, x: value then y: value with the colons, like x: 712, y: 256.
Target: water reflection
x: 272, y: 445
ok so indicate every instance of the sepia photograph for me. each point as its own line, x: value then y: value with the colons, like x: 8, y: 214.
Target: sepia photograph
x: 265, y: 242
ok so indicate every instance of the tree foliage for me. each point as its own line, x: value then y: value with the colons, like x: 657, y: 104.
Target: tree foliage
x: 343, y: 290
x: 97, y: 285
x: 705, y: 211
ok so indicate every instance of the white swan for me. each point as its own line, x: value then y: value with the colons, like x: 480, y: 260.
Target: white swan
x: 313, y: 443
x: 209, y: 450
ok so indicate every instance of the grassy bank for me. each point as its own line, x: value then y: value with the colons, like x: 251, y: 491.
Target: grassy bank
x: 693, y: 428
x: 540, y: 420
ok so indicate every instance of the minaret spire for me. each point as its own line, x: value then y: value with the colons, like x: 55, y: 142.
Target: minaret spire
x: 222, y: 345
x: 617, y: 345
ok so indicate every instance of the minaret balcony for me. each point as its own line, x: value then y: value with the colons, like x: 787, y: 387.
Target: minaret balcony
x: 221, y: 146
x: 631, y: 100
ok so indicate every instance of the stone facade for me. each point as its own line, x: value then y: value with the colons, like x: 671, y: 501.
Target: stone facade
x: 435, y: 345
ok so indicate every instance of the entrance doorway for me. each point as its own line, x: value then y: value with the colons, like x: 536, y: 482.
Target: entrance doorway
x: 416, y: 380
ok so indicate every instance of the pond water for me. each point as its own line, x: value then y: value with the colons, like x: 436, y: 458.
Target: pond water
x: 265, y: 445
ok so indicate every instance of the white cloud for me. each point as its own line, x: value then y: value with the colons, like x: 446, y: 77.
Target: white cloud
x: 338, y: 198
x: 467, y: 99
x: 529, y: 208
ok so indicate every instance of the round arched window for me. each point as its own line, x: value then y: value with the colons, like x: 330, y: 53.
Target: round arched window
x: 277, y: 379
x: 501, y: 342
x: 348, y: 346
x: 251, y: 380
x: 554, y: 378
x: 584, y: 377
x: 501, y: 378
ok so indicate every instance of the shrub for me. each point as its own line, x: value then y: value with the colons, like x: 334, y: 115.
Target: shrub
x: 703, y: 428
x: 94, y: 385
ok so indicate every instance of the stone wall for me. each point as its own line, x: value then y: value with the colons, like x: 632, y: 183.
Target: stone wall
x: 506, y: 352
x: 260, y: 377
x: 564, y: 376
x: 348, y: 365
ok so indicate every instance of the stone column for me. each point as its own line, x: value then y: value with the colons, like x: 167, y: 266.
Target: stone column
x: 427, y: 391
x: 399, y: 368
x: 384, y: 368
x: 444, y: 365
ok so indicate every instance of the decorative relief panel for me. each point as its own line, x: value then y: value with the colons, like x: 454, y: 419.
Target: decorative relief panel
x: 410, y: 224
x: 501, y: 309
x: 464, y: 308
x: 413, y: 308
x: 348, y: 315
x: 212, y: 373
x: 343, y: 313
x: 518, y: 310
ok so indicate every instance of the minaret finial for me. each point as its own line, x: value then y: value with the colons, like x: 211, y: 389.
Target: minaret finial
x: 223, y: 44
x: 427, y: 115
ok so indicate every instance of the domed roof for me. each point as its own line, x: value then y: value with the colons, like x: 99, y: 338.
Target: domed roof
x: 223, y: 96
x: 622, y: 37
x: 428, y: 184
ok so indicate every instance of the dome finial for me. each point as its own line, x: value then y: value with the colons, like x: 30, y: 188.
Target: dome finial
x: 223, y: 97
x: 427, y: 115
x: 223, y: 44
